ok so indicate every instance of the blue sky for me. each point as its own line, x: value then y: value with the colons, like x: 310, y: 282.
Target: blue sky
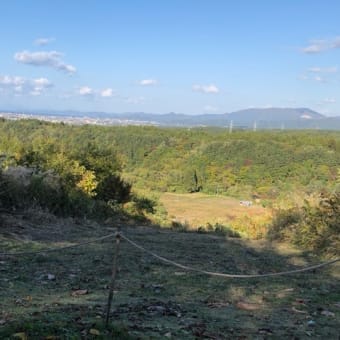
x: 186, y: 56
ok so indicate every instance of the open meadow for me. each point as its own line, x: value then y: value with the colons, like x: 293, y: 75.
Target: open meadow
x: 200, y: 210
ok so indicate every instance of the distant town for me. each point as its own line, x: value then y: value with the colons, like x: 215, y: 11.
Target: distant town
x: 249, y: 119
x: 74, y: 120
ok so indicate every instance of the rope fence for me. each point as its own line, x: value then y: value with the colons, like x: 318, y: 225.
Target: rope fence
x: 118, y: 235
x: 48, y: 250
x: 171, y: 262
x: 239, y: 276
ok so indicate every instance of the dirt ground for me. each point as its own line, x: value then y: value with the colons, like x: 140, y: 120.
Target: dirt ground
x: 63, y: 294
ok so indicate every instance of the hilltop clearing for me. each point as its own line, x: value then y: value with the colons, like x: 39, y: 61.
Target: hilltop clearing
x: 63, y: 294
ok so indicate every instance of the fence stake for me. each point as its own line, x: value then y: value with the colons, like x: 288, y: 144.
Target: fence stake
x: 113, y: 278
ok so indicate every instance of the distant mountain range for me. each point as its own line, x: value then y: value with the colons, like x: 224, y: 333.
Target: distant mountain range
x: 265, y: 118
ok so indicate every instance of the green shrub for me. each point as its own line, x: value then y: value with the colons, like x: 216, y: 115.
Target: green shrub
x: 284, y: 223
x: 179, y: 226
x: 144, y: 205
x: 113, y: 187
x: 312, y: 227
x: 225, y: 230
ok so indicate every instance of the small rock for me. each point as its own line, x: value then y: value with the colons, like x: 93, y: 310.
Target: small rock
x: 179, y: 273
x: 327, y: 313
x: 94, y: 331
x: 50, y: 277
x: 247, y: 306
x: 311, y: 323
x: 79, y: 292
x: 159, y: 309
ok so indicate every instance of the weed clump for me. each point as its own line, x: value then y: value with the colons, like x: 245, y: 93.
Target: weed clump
x: 219, y: 229
x: 312, y: 227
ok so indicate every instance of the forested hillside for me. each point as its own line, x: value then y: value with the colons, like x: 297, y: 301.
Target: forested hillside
x: 242, y: 163
x: 262, y: 164
x: 92, y: 171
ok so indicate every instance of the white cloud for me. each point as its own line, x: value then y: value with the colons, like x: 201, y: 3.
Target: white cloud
x: 43, y: 41
x: 86, y: 91
x: 89, y: 92
x: 147, y: 82
x: 210, y: 108
x: 135, y: 100
x: 107, y: 93
x: 42, y: 82
x: 11, y: 81
x: 303, y: 77
x: 333, y: 69
x: 329, y: 101
x: 314, y: 48
x: 51, y: 59
x: 335, y: 43
x: 205, y: 88
x: 20, y: 85
x: 39, y: 85
x: 318, y: 74
x: 318, y: 46
x: 320, y: 79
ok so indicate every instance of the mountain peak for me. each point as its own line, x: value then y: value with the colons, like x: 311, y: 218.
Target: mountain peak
x: 274, y: 114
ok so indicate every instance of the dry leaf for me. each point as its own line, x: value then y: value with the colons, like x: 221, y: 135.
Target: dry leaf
x: 299, y: 311
x: 179, y: 273
x: 327, y: 313
x: 79, y: 292
x: 248, y: 306
x: 21, y: 336
x: 50, y: 277
x: 94, y: 331
x: 218, y: 304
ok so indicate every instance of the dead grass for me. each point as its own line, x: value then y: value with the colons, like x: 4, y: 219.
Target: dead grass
x: 199, y: 210
x: 153, y: 300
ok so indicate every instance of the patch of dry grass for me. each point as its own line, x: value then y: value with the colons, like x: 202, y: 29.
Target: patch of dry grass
x: 199, y: 209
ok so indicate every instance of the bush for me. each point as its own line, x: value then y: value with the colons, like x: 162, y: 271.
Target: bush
x: 24, y: 188
x: 179, y: 226
x: 284, y: 223
x: 113, y: 188
x: 312, y: 227
x: 220, y: 229
x: 225, y: 230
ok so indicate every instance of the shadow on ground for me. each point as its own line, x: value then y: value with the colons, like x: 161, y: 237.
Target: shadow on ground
x: 63, y: 295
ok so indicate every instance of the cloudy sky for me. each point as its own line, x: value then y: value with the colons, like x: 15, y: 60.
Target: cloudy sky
x: 188, y: 56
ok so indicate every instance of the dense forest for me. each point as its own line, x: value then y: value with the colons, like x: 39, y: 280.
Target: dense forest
x: 91, y: 170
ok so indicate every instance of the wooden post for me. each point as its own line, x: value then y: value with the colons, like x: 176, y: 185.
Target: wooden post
x: 113, y: 278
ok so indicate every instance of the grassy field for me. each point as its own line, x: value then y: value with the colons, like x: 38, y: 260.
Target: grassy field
x: 198, y: 209
x: 62, y: 295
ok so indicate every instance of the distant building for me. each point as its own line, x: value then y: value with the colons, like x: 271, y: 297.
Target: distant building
x: 246, y: 203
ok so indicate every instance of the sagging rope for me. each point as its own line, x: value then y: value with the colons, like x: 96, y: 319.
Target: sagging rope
x: 178, y: 265
x: 240, y: 276
x: 57, y: 248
